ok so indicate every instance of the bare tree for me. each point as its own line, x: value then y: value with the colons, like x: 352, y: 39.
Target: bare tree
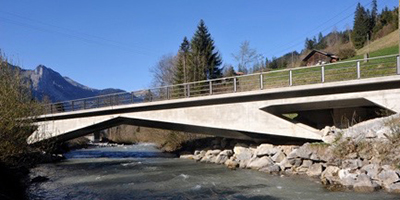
x: 163, y: 71
x: 245, y: 57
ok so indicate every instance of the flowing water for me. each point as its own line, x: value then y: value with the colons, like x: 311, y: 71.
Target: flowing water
x: 143, y: 172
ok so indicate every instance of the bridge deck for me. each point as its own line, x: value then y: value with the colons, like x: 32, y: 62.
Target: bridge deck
x: 334, y: 72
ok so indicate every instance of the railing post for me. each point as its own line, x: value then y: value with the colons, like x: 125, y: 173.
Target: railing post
x: 51, y: 108
x: 84, y: 104
x: 188, y: 90
x: 211, y: 88
x: 358, y: 70
x: 110, y: 100
x: 132, y: 97
x: 261, y: 82
x: 323, y: 73
x: 98, y: 102
x: 72, y: 105
x: 398, y: 66
x: 168, y: 93
x: 234, y: 85
x: 290, y: 78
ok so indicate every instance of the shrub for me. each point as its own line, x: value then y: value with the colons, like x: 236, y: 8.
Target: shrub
x: 15, y: 104
x: 346, y: 53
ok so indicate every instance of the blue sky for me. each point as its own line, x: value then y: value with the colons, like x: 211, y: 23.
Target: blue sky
x: 105, y: 44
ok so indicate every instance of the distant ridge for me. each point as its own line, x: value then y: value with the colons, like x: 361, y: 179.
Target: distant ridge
x: 47, y: 83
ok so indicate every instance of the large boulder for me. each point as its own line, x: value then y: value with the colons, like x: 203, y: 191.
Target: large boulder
x: 242, y: 153
x: 365, y: 184
x: 214, y: 152
x: 315, y: 170
x: 347, y: 178
x: 330, y: 176
x: 272, y: 169
x: 266, y: 150
x: 285, y: 164
x: 304, y: 151
x: 231, y: 164
x: 258, y: 163
x: 223, y: 156
x: 352, y: 163
x: 394, y: 188
x: 278, y: 157
x: 292, y: 155
x: 387, y: 177
x: 372, y: 170
x: 188, y: 156
x: 287, y: 148
x: 329, y: 134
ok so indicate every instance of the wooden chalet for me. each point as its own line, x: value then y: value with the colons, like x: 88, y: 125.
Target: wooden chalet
x: 317, y: 57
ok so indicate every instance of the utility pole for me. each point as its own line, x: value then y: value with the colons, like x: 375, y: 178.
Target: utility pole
x: 293, y: 59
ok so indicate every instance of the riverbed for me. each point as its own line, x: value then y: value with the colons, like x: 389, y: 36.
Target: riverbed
x: 143, y: 172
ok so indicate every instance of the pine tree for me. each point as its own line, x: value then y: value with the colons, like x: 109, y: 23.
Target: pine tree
x: 321, y: 42
x: 374, y: 13
x: 204, y: 58
x: 181, y: 68
x: 309, y: 44
x: 361, y: 27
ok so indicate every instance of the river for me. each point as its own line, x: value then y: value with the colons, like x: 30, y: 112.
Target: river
x: 143, y: 172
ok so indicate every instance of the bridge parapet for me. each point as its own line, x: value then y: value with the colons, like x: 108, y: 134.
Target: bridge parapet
x: 332, y: 72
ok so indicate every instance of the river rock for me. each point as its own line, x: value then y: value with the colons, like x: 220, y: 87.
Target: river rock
x: 187, y: 156
x: 330, y: 176
x: 372, y: 170
x: 292, y: 155
x: 231, y: 164
x: 352, y: 163
x: 365, y: 184
x: 258, y: 163
x: 304, y: 151
x: 388, y: 177
x: 223, y: 156
x: 329, y: 134
x: 278, y: 157
x: 197, y: 157
x: 266, y: 150
x: 285, y: 164
x: 242, y: 153
x: 214, y: 152
x: 394, y: 188
x: 315, y: 170
x: 298, y: 162
x: 306, y: 163
x: 271, y: 169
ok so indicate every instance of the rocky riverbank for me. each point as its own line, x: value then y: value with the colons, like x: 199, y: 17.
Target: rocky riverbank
x: 363, y: 158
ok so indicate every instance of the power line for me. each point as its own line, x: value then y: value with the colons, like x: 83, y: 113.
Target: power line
x: 91, y: 39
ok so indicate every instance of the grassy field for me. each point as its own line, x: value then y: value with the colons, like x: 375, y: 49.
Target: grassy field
x: 386, y: 42
x: 381, y: 52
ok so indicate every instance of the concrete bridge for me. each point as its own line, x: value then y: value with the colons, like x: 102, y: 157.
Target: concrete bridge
x: 290, y: 104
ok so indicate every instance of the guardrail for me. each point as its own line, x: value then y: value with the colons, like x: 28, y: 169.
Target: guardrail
x: 340, y: 71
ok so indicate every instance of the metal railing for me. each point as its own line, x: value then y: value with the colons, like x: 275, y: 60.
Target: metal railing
x: 340, y: 71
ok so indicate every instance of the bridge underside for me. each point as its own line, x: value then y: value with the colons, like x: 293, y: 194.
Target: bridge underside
x: 276, y: 115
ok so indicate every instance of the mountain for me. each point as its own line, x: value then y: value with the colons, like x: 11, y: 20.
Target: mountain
x: 48, y: 83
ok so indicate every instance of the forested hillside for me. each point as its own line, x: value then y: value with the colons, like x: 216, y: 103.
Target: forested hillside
x: 197, y: 59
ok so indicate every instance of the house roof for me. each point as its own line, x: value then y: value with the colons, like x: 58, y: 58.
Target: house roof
x: 321, y: 52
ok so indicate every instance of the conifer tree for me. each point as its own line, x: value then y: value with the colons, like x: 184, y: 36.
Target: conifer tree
x: 374, y: 13
x: 361, y: 27
x: 204, y: 58
x: 181, y: 71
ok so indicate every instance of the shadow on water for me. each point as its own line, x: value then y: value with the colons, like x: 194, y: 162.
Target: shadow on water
x: 117, y: 154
